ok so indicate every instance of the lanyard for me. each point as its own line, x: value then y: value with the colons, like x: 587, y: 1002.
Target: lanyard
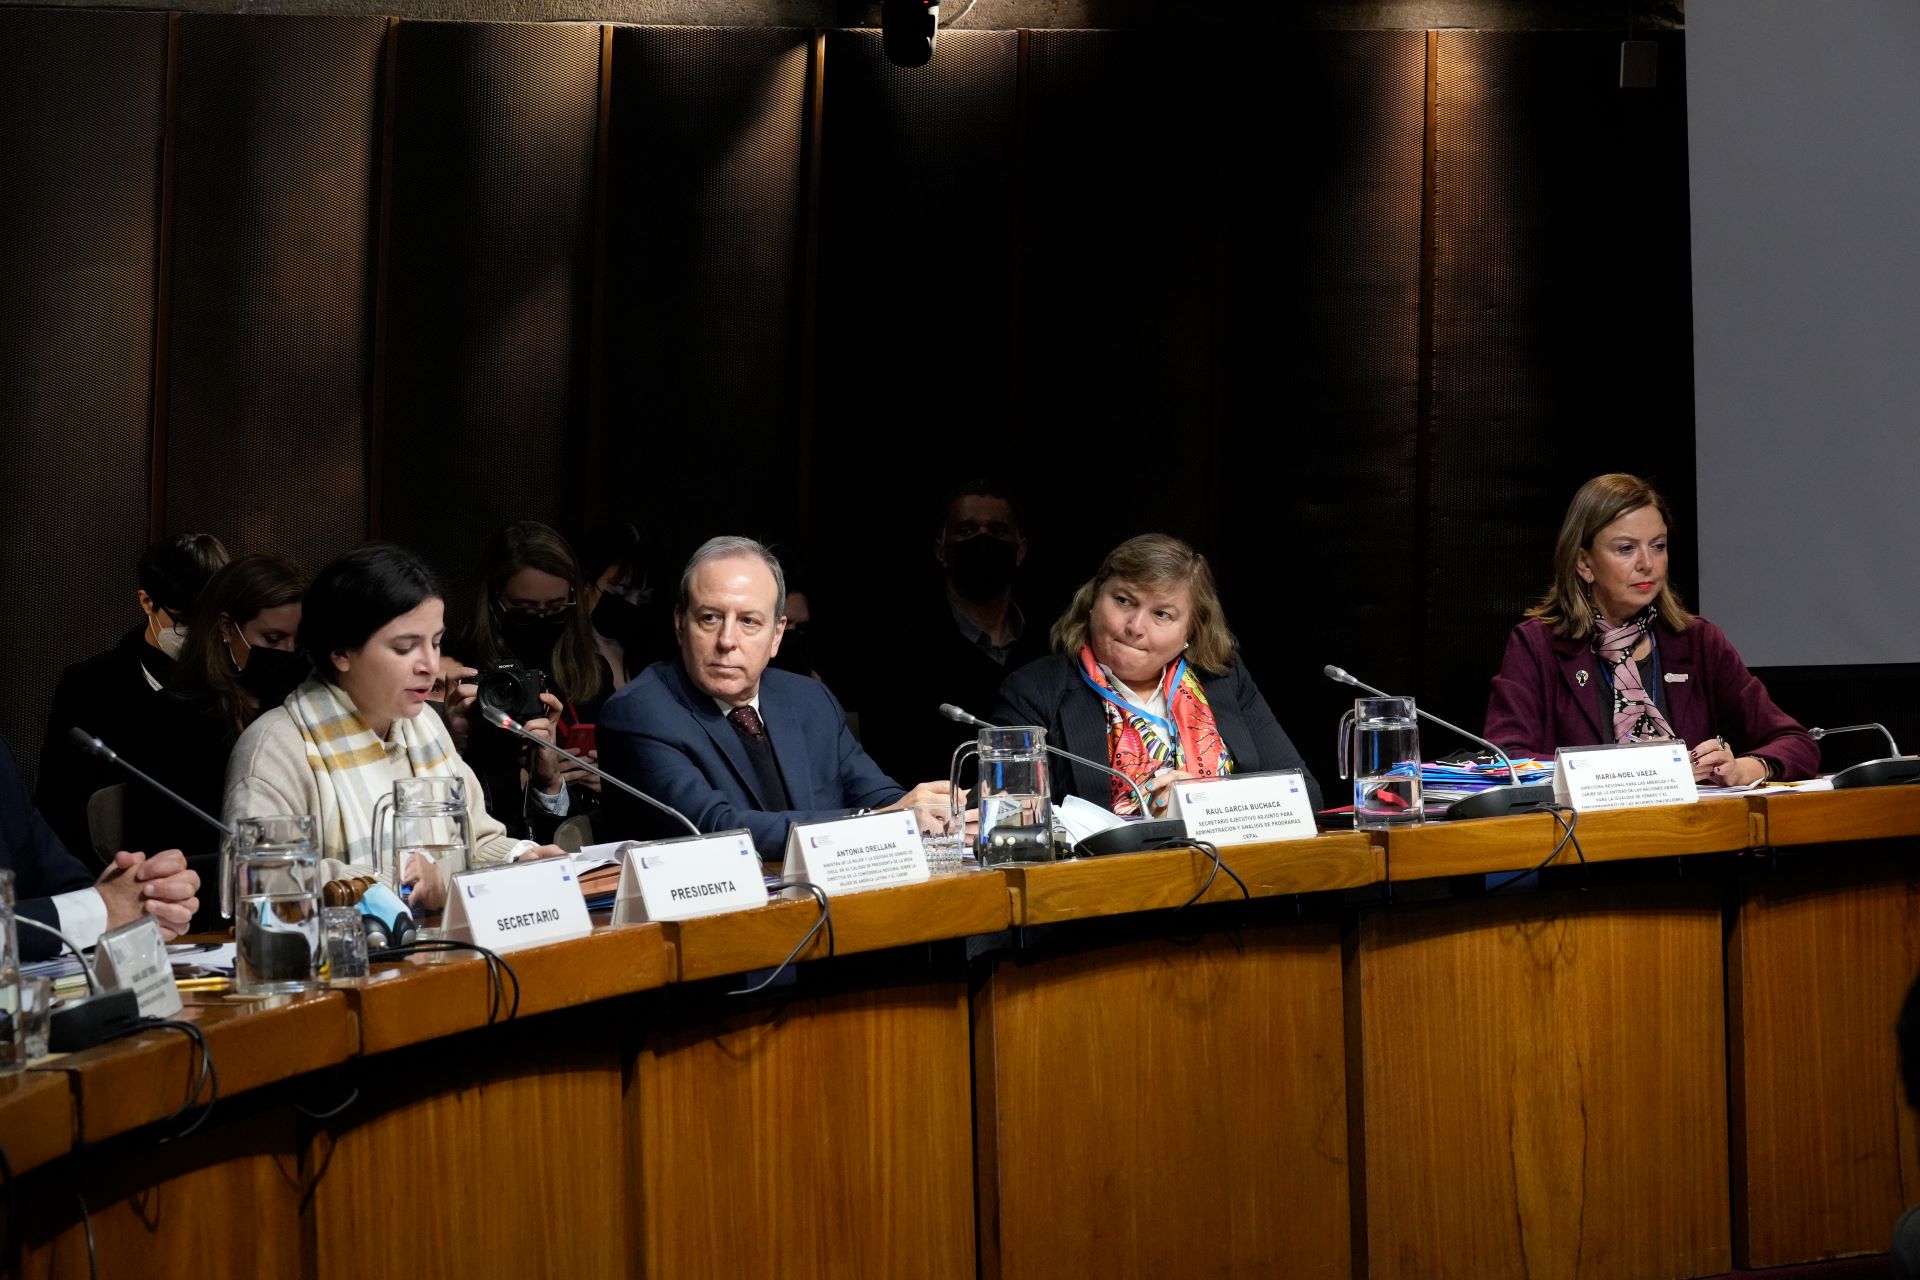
x: 1166, y: 726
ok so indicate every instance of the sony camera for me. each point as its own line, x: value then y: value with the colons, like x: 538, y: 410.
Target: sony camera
x: 512, y: 688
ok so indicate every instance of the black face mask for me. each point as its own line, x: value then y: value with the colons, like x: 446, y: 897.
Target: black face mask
x: 981, y: 567
x: 532, y: 639
x: 796, y: 652
x: 617, y: 618
x: 271, y: 674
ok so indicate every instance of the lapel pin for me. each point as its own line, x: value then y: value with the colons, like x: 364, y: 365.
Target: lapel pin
x: 1675, y: 677
x: 1580, y: 676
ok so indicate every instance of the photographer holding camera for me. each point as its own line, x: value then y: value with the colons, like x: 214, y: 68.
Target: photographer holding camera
x: 532, y: 654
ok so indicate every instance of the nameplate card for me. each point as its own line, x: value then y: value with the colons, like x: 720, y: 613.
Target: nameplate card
x: 1251, y: 809
x: 134, y: 958
x: 688, y: 877
x: 1630, y: 776
x: 851, y: 854
x: 521, y: 904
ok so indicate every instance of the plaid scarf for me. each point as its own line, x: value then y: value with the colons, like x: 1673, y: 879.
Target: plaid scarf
x: 350, y: 765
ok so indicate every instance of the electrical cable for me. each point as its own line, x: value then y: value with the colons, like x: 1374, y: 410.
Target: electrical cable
x: 1212, y: 851
x: 10, y: 1243
x: 86, y: 1223
x: 1567, y: 830
x: 826, y: 919
x: 208, y: 1080
x: 93, y: 983
x: 496, y: 990
x: 963, y: 13
x: 329, y: 1114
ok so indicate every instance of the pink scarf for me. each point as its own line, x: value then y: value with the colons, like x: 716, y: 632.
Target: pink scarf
x: 1636, y: 717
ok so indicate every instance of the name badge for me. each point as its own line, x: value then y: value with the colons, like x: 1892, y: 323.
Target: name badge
x: 688, y: 877
x: 522, y: 904
x: 1624, y: 777
x: 1251, y: 809
x: 851, y: 854
x: 134, y: 958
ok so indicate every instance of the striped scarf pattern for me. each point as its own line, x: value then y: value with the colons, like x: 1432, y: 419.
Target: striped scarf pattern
x: 350, y: 763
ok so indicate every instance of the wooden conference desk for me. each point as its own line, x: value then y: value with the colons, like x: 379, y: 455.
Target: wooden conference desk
x: 1051, y: 1071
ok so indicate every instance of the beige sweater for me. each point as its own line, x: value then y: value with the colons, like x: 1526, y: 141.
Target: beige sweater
x: 268, y: 773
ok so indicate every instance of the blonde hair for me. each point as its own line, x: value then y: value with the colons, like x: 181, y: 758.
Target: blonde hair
x: 1567, y: 606
x: 1158, y: 563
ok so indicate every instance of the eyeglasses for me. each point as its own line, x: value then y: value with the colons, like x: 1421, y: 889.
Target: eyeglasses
x: 552, y: 609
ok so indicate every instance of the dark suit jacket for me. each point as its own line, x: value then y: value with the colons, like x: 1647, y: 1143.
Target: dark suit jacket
x: 41, y: 866
x: 931, y: 662
x: 108, y: 697
x: 1544, y: 697
x: 1051, y: 694
x: 665, y: 736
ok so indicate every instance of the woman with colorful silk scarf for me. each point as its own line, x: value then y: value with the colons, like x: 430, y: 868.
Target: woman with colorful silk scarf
x: 1145, y: 675
x: 1610, y: 655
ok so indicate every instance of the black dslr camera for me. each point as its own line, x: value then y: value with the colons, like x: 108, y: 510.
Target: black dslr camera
x: 512, y: 688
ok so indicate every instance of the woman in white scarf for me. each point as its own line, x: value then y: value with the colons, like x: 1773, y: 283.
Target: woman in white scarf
x: 372, y: 623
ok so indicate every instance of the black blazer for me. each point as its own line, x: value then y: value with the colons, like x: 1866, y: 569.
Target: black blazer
x: 1051, y: 694
x: 41, y: 866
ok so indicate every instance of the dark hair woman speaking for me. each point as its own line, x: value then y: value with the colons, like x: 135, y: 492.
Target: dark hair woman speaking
x: 1610, y: 655
x: 1146, y: 676
x: 372, y: 626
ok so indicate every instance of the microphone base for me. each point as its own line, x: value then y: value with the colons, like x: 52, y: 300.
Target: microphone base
x: 1895, y: 772
x: 1132, y: 837
x: 1496, y: 802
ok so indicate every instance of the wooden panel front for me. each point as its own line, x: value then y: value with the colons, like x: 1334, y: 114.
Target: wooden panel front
x: 1817, y: 817
x: 1163, y: 1109
x: 1545, y: 1086
x: 947, y: 906
x: 497, y: 1153
x: 1824, y: 1145
x: 1087, y: 887
x: 826, y: 1136
x: 36, y: 1118
x: 222, y: 1203
x: 1432, y: 849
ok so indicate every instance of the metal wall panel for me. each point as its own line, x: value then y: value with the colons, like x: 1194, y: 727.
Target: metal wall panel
x: 275, y: 157
x: 77, y: 232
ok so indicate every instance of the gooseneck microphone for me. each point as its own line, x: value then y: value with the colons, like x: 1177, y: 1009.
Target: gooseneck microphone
x: 1513, y: 797
x: 511, y: 725
x: 1893, y: 771
x: 1130, y: 837
x: 94, y: 747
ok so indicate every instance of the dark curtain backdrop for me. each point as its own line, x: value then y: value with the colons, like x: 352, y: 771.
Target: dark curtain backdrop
x: 1353, y: 311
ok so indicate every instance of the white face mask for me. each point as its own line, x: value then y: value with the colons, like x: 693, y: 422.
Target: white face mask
x: 169, y: 640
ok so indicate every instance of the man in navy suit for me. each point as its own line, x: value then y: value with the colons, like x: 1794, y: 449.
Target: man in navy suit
x: 51, y: 886
x: 728, y: 742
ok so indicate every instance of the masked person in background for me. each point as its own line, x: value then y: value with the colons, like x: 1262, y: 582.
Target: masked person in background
x: 632, y: 622
x: 531, y: 616
x: 959, y: 644
x: 241, y: 660
x: 113, y: 695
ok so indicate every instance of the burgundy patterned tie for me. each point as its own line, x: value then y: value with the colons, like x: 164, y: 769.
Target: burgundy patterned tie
x: 747, y: 721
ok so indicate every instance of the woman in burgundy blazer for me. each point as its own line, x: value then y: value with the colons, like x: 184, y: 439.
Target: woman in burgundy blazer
x: 1610, y: 570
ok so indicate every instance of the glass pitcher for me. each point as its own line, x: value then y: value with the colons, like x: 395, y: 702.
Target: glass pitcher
x: 1379, y: 749
x: 272, y: 891
x: 1014, y: 798
x: 423, y: 815
x: 13, y: 1053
